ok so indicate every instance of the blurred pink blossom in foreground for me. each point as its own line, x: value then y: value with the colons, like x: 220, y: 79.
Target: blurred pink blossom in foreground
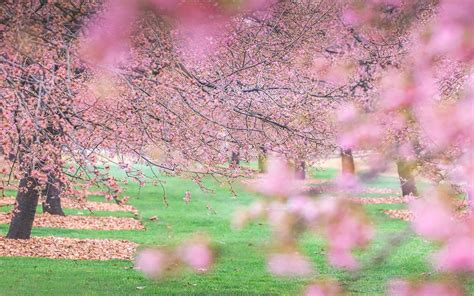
x: 289, y: 264
x: 152, y: 262
x: 457, y: 255
x: 433, y: 218
x: 279, y: 181
x: 347, y: 230
x: 197, y: 255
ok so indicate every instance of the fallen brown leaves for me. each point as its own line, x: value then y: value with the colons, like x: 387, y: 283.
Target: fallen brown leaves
x: 8, y: 187
x: 7, y: 201
x: 381, y: 200
x: 96, y: 206
x: 80, y: 222
x: 82, y: 204
x: 376, y: 190
x: 404, y: 215
x: 68, y: 248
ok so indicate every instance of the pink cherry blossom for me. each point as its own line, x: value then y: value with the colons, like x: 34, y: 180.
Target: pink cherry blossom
x: 348, y: 182
x: 457, y: 255
x: 311, y: 213
x: 347, y: 113
x: 463, y: 173
x: 346, y: 229
x: 351, y: 17
x: 197, y: 255
x: 298, y: 203
x: 432, y: 217
x: 342, y: 258
x: 279, y: 181
x: 107, y: 44
x: 152, y: 262
x: 256, y: 210
x: 187, y: 197
x: 254, y: 5
x: 360, y: 135
x: 289, y: 264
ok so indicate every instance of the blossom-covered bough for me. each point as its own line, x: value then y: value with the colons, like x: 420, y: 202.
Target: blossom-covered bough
x: 39, y: 83
x: 200, y: 80
x: 403, y: 92
x: 56, y: 125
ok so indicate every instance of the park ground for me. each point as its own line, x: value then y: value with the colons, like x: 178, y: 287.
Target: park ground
x: 240, y: 269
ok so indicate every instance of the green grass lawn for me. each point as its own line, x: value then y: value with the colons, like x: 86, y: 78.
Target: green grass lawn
x: 241, y: 266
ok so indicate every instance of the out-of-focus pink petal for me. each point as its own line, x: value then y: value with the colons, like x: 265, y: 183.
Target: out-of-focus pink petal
x: 361, y: 134
x: 347, y: 113
x: 253, y: 5
x: 432, y: 218
x: 152, y: 262
x: 107, y: 43
x: 197, y: 255
x: 279, y: 181
x: 457, y: 255
x: 342, y: 259
x: 289, y: 264
x: 348, y: 182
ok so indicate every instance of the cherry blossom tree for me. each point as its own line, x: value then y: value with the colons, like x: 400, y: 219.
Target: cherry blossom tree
x: 301, y: 79
x: 402, y: 117
x: 53, y: 127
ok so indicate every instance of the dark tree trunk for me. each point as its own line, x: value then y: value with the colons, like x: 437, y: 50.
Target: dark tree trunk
x: 407, y: 180
x: 25, y: 209
x: 300, y: 170
x: 348, y: 166
x: 262, y: 160
x: 52, y: 204
x: 235, y: 159
x: 262, y: 163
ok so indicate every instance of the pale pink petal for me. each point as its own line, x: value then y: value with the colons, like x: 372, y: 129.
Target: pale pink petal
x: 432, y: 218
x: 279, y: 181
x: 342, y: 259
x: 197, y: 255
x: 289, y: 264
x: 457, y: 255
x: 152, y: 262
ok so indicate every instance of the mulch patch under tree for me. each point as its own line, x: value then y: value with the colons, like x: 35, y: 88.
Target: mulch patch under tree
x: 68, y: 248
x: 80, y: 222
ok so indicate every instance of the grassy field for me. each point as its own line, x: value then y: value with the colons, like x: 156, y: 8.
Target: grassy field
x: 241, y: 266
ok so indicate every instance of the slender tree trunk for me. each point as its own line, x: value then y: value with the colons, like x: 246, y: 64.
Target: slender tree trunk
x: 52, y: 204
x: 407, y: 179
x: 262, y: 163
x: 262, y: 160
x: 25, y: 209
x: 348, y: 166
x: 235, y: 159
x: 300, y: 170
